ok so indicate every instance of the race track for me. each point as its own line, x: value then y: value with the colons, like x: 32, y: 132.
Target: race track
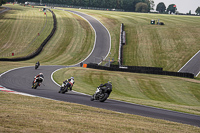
x: 193, y: 65
x: 21, y: 80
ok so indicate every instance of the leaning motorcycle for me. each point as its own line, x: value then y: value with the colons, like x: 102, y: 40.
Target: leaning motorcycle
x: 101, y: 94
x: 37, y: 65
x: 64, y: 87
x: 37, y: 82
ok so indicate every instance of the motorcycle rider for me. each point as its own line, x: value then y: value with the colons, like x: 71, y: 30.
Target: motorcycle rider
x: 105, y: 86
x: 70, y: 82
x: 39, y: 75
x: 37, y: 63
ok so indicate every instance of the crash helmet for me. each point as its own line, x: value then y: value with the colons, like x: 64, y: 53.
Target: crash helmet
x: 72, y: 78
x: 109, y: 82
x: 41, y: 74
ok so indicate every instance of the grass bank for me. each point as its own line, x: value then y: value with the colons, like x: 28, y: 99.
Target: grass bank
x: 30, y: 114
x: 173, y: 93
x: 169, y: 46
x: 72, y: 42
x: 2, y: 8
x: 20, y: 28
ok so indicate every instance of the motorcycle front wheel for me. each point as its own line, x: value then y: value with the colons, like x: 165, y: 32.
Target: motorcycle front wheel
x: 64, y: 89
x: 35, y: 85
x: 103, y: 97
x: 36, y: 66
x: 92, y: 98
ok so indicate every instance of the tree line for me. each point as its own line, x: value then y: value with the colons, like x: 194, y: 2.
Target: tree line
x: 2, y: 2
x: 161, y: 8
x: 126, y: 5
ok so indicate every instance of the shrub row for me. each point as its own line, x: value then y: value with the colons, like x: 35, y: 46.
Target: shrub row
x: 139, y: 69
x: 37, y: 52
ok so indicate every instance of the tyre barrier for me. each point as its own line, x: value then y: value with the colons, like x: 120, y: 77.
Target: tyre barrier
x: 139, y: 69
x: 38, y: 51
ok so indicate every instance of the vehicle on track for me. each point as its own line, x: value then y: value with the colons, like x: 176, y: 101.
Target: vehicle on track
x: 37, y: 64
x: 101, y: 94
x: 37, y: 80
x: 65, y: 87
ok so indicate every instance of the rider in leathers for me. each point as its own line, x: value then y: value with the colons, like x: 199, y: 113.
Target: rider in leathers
x: 39, y: 75
x: 107, y: 85
x: 69, y: 81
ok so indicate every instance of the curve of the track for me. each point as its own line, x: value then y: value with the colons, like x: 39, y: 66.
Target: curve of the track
x: 20, y: 80
x: 6, y: 9
x: 192, y: 66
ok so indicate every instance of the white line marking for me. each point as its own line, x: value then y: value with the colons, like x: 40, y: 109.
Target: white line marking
x: 189, y: 60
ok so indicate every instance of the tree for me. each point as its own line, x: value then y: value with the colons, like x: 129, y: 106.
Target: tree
x: 128, y: 5
x: 151, y: 4
x: 198, y: 11
x: 171, y: 8
x: 190, y: 12
x: 141, y: 7
x: 3, y: 2
x: 161, y: 7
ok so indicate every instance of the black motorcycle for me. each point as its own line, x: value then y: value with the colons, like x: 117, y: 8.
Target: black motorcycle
x: 37, y: 65
x: 37, y: 82
x: 65, y: 87
x: 101, y: 94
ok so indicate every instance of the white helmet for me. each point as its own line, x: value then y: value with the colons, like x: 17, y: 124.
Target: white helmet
x: 40, y: 73
x: 72, y: 78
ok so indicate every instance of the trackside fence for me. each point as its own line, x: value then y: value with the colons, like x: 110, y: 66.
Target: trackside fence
x: 140, y: 69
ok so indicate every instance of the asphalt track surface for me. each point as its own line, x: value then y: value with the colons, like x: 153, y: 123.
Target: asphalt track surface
x: 20, y: 80
x: 6, y: 9
x: 193, y: 65
x: 102, y: 42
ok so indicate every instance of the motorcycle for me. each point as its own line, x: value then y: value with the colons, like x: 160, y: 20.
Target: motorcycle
x: 101, y: 94
x: 37, y: 82
x: 37, y: 65
x: 64, y: 87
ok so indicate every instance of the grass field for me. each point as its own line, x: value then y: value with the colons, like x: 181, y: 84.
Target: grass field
x: 173, y: 93
x: 72, y: 42
x: 169, y: 46
x: 2, y: 8
x: 148, y: 45
x: 29, y: 114
x: 19, y: 30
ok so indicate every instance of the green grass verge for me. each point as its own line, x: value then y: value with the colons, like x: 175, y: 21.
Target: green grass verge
x: 173, y: 93
x: 29, y: 114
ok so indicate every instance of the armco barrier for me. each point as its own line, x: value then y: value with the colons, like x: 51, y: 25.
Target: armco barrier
x: 37, y: 52
x: 146, y: 70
